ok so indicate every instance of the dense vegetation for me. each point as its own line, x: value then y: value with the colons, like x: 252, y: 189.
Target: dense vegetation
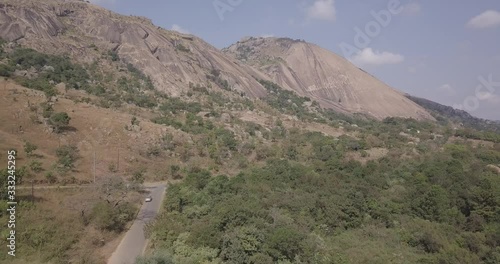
x: 321, y: 207
x: 287, y: 102
x: 46, y: 70
x: 40, y: 71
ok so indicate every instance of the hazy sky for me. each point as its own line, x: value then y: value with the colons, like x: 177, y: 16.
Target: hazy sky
x: 447, y: 50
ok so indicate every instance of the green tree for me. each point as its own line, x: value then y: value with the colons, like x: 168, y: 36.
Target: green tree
x: 285, y: 242
x: 113, y: 218
x: 239, y: 245
x: 67, y: 156
x: 198, y: 178
x: 29, y: 148
x: 36, y: 166
x: 138, y: 176
x: 432, y: 204
x: 59, y: 121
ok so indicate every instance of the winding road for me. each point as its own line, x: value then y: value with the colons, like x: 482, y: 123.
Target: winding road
x: 134, y: 242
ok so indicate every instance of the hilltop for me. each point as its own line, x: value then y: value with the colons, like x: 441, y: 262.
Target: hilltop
x: 325, y: 77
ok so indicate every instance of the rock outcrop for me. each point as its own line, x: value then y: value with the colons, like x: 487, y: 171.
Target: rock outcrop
x: 86, y: 31
x: 325, y: 77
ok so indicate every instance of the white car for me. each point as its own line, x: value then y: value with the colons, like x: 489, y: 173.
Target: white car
x: 149, y: 199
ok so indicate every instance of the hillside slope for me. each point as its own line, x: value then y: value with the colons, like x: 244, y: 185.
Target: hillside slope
x: 87, y: 32
x: 324, y: 77
x: 455, y: 115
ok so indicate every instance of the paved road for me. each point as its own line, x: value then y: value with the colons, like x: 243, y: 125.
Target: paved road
x: 134, y: 242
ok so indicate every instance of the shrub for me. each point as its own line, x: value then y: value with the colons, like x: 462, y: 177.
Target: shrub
x: 112, y: 168
x: 140, y: 99
x: 432, y: 204
x: 175, y: 105
x: 113, y: 55
x: 50, y: 177
x: 198, y: 178
x: 216, y: 77
x: 168, y: 121
x: 226, y: 138
x: 97, y: 90
x: 59, y: 121
x: 29, y: 148
x: 285, y: 242
x: 490, y: 156
x: 47, y: 109
x: 6, y: 70
x: 174, y: 171
x: 112, y: 218
x: 22, y: 173
x: 428, y: 242
x: 138, y: 176
x: 36, y: 166
x: 182, y: 48
x: 67, y: 156
x: 153, y: 151
x: 40, y: 84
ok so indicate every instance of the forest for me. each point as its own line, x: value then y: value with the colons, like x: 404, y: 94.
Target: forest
x: 310, y: 203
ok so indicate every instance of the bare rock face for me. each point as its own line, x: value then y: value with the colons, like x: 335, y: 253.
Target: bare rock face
x: 170, y: 59
x: 18, y: 23
x: 173, y: 60
x: 324, y: 77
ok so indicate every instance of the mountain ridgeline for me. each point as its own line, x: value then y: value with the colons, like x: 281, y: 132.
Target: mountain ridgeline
x: 173, y: 60
x: 444, y: 113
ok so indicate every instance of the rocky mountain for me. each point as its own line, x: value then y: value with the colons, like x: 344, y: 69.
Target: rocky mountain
x: 85, y: 31
x: 173, y: 60
x: 324, y: 76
